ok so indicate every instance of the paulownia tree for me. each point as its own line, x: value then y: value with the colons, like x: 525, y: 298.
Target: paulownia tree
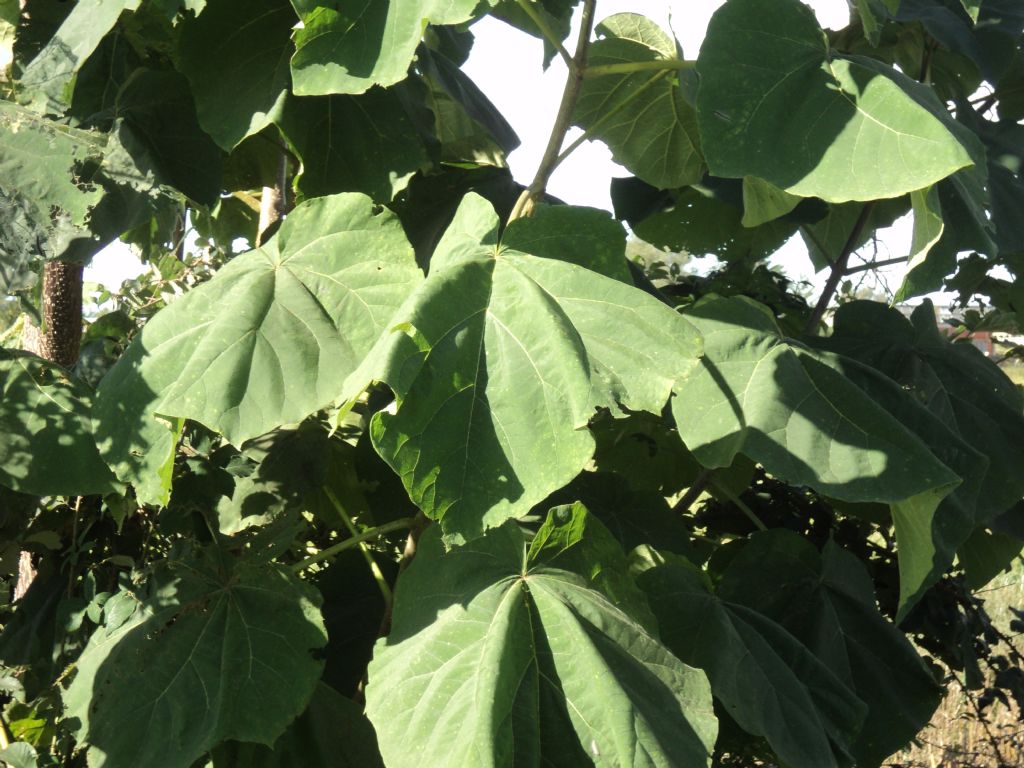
x: 392, y: 461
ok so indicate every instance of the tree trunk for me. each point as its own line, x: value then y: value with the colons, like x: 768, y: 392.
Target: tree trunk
x: 59, y: 341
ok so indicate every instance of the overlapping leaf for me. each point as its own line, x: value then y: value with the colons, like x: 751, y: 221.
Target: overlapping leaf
x: 239, y: 72
x: 782, y: 405
x: 266, y: 342
x: 501, y: 357
x: 345, y: 48
x: 48, y: 78
x: 777, y: 103
x: 826, y: 601
x: 707, y: 219
x: 644, y: 116
x: 499, y: 660
x: 364, y: 143
x: 332, y: 733
x: 928, y: 534
x: 40, y: 161
x: 215, y: 649
x: 46, y: 442
x: 962, y: 388
x: 768, y: 681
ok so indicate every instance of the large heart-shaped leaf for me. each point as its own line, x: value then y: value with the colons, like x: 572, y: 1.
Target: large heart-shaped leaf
x: 213, y: 648
x: 266, y: 342
x: 345, y: 48
x: 776, y: 102
x: 497, y: 660
x: 46, y: 444
x: 784, y: 406
x: 499, y: 360
x: 239, y: 72
x: 643, y: 116
x: 768, y: 681
x: 827, y: 602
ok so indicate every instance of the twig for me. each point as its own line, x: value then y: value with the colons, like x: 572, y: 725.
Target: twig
x: 549, y: 34
x: 747, y: 511
x: 838, y: 270
x: 563, y: 121
x: 378, y: 576
x: 874, y: 265
x: 341, y: 546
x: 694, y: 491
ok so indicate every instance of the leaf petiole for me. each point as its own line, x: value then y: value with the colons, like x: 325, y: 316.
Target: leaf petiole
x: 628, y: 67
x: 395, y: 525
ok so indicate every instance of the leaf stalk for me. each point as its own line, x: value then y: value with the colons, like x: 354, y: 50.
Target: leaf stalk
x: 629, y: 67
x: 395, y: 525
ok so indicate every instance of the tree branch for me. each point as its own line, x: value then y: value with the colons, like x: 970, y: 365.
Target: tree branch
x: 563, y: 121
x: 838, y: 270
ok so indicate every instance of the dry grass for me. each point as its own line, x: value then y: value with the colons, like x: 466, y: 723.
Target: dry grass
x: 956, y: 738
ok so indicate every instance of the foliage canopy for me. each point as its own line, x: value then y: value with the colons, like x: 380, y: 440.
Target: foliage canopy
x: 416, y: 468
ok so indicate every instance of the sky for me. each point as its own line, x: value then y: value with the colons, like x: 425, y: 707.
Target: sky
x: 506, y: 64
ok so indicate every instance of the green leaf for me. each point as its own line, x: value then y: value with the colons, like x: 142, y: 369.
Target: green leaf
x: 40, y: 162
x: 929, y: 530
x: 764, y: 202
x: 466, y: 123
x: 347, y: 49
x: 958, y: 384
x: 574, y: 540
x: 212, y: 648
x: 158, y: 111
x: 973, y: 7
x: 777, y: 103
x: 266, y: 342
x: 826, y: 601
x: 584, y: 236
x: 528, y: 664
x: 784, y: 406
x: 331, y: 733
x: 986, y: 554
x: 557, y: 14
x: 499, y: 359
x: 364, y: 143
x: 239, y: 72
x: 928, y: 224
x: 966, y: 227
x: 643, y: 116
x: 46, y: 444
x: 19, y: 755
x: 49, y: 76
x: 767, y: 680
x: 706, y: 219
x: 292, y: 463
